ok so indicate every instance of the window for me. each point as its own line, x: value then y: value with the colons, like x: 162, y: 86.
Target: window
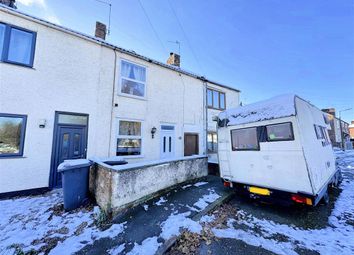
x: 280, y: 132
x: 244, y: 139
x: 216, y: 99
x: 12, y: 134
x: 321, y: 134
x: 17, y: 45
x: 129, y: 138
x: 133, y: 79
x: 212, y: 142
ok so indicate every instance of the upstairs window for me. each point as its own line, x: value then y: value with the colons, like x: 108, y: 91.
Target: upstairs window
x: 216, y: 99
x: 280, y: 132
x: 17, y: 45
x: 12, y: 134
x: 129, y: 138
x: 212, y: 142
x: 133, y: 79
x: 244, y: 139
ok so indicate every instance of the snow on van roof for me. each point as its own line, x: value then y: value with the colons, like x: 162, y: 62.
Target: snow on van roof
x: 273, y: 108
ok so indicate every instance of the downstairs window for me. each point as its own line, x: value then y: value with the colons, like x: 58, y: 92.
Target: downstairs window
x: 12, y: 134
x: 129, y: 138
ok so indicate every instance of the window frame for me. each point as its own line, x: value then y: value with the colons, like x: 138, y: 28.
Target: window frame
x: 22, y: 135
x: 141, y: 137
x: 280, y: 140
x: 4, y: 57
x: 214, y: 136
x: 120, y: 93
x: 257, y: 136
x: 219, y: 99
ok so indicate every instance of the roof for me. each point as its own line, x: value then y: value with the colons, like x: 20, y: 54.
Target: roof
x: 104, y: 43
x: 273, y: 108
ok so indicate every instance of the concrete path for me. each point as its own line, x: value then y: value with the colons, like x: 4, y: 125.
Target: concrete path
x: 149, y: 226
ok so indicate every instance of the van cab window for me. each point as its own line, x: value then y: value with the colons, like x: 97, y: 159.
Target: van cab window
x: 280, y: 132
x: 244, y: 139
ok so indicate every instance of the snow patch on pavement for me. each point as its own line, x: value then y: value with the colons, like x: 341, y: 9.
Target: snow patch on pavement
x: 161, y: 201
x: 171, y: 227
x: 148, y: 246
x: 198, y: 184
x: 117, y: 250
x: 204, y: 201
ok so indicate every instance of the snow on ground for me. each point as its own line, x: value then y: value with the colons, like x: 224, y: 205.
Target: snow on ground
x: 29, y: 223
x: 198, y: 184
x: 149, y: 246
x: 336, y: 238
x: 204, y: 201
x: 161, y: 201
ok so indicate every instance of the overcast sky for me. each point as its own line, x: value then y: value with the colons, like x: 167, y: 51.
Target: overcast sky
x: 262, y: 47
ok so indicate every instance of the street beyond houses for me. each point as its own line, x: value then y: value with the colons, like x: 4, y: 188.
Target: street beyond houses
x: 38, y: 225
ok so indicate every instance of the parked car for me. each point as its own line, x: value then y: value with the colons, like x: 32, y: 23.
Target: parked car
x: 278, y: 148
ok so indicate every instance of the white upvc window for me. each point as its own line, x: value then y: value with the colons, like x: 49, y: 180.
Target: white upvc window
x: 129, y: 139
x: 132, y: 79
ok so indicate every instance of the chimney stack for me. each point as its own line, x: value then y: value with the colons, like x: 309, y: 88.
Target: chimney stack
x: 101, y: 30
x: 174, y: 60
x: 10, y: 3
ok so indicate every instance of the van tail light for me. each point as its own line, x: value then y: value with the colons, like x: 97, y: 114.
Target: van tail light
x: 301, y: 200
x: 227, y: 184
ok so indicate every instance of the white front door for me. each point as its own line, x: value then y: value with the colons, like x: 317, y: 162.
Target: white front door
x: 167, y: 141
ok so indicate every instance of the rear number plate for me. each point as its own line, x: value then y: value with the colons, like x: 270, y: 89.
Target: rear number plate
x: 259, y: 191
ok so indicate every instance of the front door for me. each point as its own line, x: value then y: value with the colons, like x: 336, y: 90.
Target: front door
x: 167, y: 141
x: 70, y: 142
x: 191, y: 144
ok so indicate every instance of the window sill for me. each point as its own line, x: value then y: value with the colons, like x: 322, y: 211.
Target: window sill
x: 218, y: 109
x: 132, y: 157
x: 11, y: 157
x: 132, y: 96
x: 17, y: 64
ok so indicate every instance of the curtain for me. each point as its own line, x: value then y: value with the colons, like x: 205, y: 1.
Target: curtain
x: 132, y: 71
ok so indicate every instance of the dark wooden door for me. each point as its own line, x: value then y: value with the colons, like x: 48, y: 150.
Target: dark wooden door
x: 191, y: 144
x: 70, y: 143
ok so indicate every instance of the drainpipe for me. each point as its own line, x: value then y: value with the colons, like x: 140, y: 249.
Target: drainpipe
x: 112, y: 105
x: 206, y: 117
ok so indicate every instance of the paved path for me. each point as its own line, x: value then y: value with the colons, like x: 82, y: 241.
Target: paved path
x: 144, y: 224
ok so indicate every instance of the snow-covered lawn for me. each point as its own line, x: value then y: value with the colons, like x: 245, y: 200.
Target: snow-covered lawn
x: 336, y: 238
x: 40, y: 225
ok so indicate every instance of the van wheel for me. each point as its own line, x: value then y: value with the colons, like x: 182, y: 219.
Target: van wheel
x: 325, y: 198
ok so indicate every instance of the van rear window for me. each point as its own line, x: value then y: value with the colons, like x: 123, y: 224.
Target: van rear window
x: 244, y: 139
x: 280, y: 132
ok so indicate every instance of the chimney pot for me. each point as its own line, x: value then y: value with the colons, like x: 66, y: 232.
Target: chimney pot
x: 174, y: 60
x: 101, y: 30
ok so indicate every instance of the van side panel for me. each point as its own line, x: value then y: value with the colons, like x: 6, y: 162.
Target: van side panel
x: 277, y: 165
x: 319, y: 157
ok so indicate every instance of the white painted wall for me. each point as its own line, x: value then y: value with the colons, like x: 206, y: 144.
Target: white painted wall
x: 75, y: 74
x: 171, y: 98
x: 69, y: 74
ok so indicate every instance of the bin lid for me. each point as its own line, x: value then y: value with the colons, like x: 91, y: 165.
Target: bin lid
x: 74, y: 163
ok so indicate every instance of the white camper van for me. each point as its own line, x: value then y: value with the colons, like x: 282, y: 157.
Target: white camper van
x: 277, y: 148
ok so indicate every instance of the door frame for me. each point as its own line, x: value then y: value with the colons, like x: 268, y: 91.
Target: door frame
x: 55, y: 144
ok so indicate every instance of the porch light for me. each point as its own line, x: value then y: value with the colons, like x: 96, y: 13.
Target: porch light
x: 153, y: 131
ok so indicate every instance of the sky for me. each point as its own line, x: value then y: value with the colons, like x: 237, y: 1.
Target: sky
x: 262, y: 47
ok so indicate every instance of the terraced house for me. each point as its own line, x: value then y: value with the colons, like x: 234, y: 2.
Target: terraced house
x: 67, y: 95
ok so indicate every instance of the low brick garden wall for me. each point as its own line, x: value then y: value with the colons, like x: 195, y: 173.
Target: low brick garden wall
x: 119, y: 187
